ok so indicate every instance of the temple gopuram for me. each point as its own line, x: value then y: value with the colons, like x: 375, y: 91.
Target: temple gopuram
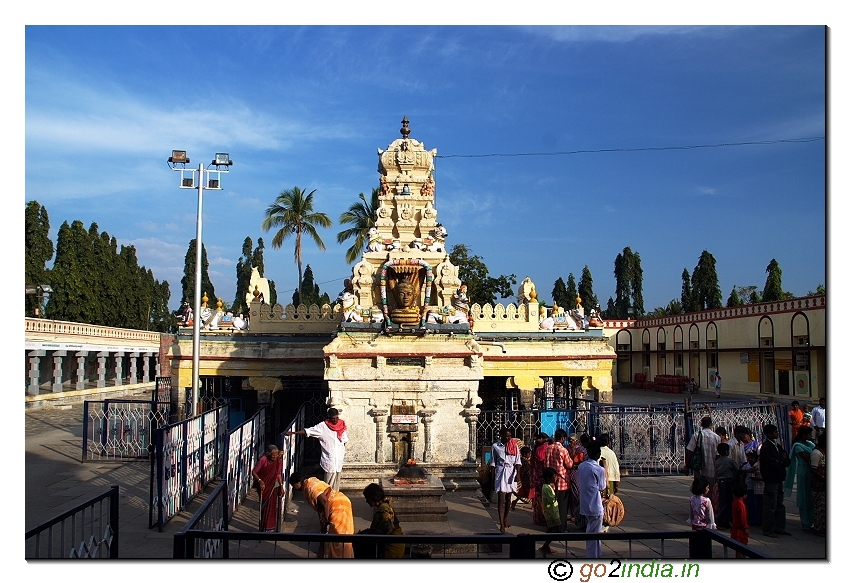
x: 403, y: 355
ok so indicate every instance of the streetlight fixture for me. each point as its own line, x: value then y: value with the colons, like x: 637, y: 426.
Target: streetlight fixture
x: 204, y: 179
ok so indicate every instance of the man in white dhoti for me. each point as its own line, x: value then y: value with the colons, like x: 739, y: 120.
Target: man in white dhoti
x: 507, y: 462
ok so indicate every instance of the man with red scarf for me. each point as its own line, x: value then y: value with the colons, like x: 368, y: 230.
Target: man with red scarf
x: 507, y: 463
x: 332, y: 435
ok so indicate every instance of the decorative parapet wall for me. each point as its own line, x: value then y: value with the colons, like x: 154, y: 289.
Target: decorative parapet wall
x: 326, y: 319
x: 501, y: 318
x: 266, y: 319
x: 807, y: 303
x: 37, y: 327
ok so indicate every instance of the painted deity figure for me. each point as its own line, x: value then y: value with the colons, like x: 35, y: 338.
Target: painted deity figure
x: 460, y: 301
x: 406, y: 293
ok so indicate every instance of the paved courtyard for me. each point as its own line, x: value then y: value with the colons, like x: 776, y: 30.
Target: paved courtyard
x: 56, y: 480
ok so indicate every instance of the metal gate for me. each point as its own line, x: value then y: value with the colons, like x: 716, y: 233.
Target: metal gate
x: 121, y: 429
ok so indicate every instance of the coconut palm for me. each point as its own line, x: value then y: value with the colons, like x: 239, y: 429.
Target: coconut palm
x: 292, y: 211
x: 362, y: 216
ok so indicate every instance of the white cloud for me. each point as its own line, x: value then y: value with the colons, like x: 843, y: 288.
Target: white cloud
x: 617, y: 34
x: 67, y: 113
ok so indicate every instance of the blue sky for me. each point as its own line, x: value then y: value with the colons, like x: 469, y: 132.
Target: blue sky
x: 310, y: 105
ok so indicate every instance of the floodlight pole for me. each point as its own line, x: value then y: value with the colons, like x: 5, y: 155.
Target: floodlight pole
x: 196, y: 320
x: 222, y: 163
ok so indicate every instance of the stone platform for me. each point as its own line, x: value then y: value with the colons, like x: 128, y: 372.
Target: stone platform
x: 418, y: 502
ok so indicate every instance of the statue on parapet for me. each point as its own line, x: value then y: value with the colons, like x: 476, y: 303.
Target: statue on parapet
x: 436, y: 240
x: 348, y: 301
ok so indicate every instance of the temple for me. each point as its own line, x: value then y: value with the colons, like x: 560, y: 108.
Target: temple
x: 403, y: 355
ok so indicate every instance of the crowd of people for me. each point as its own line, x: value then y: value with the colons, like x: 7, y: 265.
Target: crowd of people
x: 741, y: 482
x: 571, y: 482
x: 569, y: 479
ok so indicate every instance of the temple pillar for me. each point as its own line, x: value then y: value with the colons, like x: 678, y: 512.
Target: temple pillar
x: 472, y: 419
x: 380, y: 417
x: 427, y: 416
x: 119, y: 375
x: 57, y: 370
x: 34, y: 371
x: 101, y: 368
x: 413, y: 436
x: 81, y: 370
x: 146, y: 367
x: 134, y: 368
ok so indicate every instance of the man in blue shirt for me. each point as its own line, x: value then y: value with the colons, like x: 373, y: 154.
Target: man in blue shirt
x: 591, y: 482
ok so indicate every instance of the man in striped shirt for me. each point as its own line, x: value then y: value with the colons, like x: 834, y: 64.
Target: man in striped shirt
x: 558, y: 457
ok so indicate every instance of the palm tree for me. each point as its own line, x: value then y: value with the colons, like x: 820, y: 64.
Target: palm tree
x: 362, y: 216
x: 292, y: 211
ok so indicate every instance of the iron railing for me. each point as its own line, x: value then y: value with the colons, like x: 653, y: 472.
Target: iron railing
x: 187, y: 456
x: 701, y: 545
x: 292, y: 450
x: 246, y: 444
x: 87, y: 531
x: 121, y: 429
x: 213, y: 515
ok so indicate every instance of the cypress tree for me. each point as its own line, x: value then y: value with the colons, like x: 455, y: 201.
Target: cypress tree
x: 704, y: 284
x: 38, y: 250
x: 572, y: 294
x: 687, y: 294
x: 188, y: 281
x: 637, y: 284
x: 243, y: 278
x: 734, y: 299
x: 585, y: 290
x: 628, y: 274
x: 68, y: 278
x: 773, y: 285
x: 559, y: 293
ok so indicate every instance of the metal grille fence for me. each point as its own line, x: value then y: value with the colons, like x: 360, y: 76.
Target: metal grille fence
x: 246, y: 444
x: 648, y: 440
x: 188, y: 455
x: 121, y: 429
x: 88, y: 531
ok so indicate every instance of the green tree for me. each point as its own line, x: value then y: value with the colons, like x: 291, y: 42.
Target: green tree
x: 585, y: 290
x: 272, y: 293
x: 292, y: 214
x: 704, y: 284
x: 773, y: 285
x: 362, y: 216
x: 188, y: 281
x: 310, y: 292
x: 243, y: 277
x: 819, y: 291
x: 70, y: 297
x: 559, y: 292
x: 572, y: 293
x: 38, y: 250
x: 629, y: 277
x: 481, y: 288
x: 610, y: 309
x: 688, y: 304
x: 734, y: 299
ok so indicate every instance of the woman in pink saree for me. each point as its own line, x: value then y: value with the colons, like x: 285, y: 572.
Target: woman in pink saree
x: 268, y: 472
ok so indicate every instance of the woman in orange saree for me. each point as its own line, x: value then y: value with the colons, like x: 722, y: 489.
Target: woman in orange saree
x: 335, y: 514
